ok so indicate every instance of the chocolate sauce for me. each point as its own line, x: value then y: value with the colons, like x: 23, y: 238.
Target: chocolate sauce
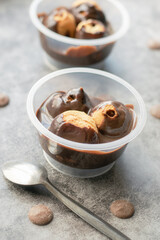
x: 96, y: 56
x: 78, y: 158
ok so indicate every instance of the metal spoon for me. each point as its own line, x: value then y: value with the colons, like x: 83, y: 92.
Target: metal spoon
x: 28, y: 174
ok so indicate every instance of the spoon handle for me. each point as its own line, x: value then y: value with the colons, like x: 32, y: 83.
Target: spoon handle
x: 86, y: 214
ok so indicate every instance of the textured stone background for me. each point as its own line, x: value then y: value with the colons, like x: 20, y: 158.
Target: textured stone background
x: 136, y: 175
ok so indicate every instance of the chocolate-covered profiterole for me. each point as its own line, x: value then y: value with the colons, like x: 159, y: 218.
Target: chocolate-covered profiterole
x: 61, y: 21
x: 75, y: 126
x: 87, y: 9
x: 113, y: 118
x: 90, y: 29
x: 80, y: 127
x: 64, y: 21
x: 74, y: 99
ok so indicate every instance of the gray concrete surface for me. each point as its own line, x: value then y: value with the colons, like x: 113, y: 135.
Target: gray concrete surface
x: 136, y: 175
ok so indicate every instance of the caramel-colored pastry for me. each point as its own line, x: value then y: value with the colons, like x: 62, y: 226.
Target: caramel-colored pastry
x: 74, y: 99
x: 113, y: 118
x: 90, y: 29
x: 75, y: 126
x: 87, y: 9
x: 61, y: 21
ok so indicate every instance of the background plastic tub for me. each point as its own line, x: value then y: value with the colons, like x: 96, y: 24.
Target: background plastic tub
x: 56, y: 45
x: 84, y: 160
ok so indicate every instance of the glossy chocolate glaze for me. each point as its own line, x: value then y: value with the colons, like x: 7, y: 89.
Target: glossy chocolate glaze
x: 85, y: 35
x: 74, y: 99
x: 95, y: 33
x: 49, y: 20
x: 88, y: 11
x: 75, y: 131
x: 113, y: 119
x: 77, y: 158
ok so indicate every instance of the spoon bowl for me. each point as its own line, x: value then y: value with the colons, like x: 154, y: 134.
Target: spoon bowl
x: 24, y: 173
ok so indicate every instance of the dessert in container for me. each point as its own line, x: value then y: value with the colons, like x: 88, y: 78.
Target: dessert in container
x: 56, y: 46
x: 81, y: 159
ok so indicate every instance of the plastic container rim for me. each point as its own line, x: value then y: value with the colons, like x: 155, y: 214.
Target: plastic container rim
x: 83, y: 146
x: 81, y: 42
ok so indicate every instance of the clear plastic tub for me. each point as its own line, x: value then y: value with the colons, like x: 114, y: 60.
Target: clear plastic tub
x: 80, y: 159
x: 55, y: 46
